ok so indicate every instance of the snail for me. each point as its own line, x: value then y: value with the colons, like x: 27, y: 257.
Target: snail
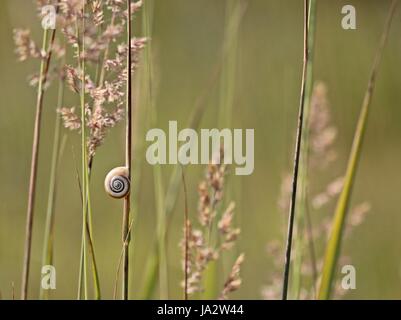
x: 117, y: 183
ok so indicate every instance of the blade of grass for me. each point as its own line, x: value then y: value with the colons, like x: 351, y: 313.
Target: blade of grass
x: 235, y: 10
x: 334, y: 244
x: 141, y: 124
x: 311, y: 244
x: 175, y: 178
x: 44, y: 69
x: 300, y: 240
x: 193, y: 122
x: 47, y: 255
x: 84, y: 161
x: 120, y: 260
x: 95, y: 272
x: 81, y: 270
x: 85, y: 190
x: 128, y: 154
x: 151, y: 274
x: 234, y: 13
x: 174, y: 184
x: 152, y: 264
x: 160, y: 246
x: 296, y: 156
x: 161, y: 233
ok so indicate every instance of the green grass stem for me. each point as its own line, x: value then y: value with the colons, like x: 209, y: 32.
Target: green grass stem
x: 333, y: 247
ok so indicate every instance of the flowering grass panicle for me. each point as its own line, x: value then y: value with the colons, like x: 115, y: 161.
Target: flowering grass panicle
x: 322, y: 153
x: 203, y: 247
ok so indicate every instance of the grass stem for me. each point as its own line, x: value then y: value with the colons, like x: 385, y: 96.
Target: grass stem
x: 128, y: 152
x: 44, y: 69
x: 334, y: 244
x: 84, y: 156
x: 301, y: 202
x: 296, y: 157
x: 47, y: 255
x: 120, y: 260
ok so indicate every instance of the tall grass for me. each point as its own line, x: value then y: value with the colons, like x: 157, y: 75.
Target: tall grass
x: 44, y: 69
x: 224, y: 77
x: 120, y: 260
x: 297, y: 153
x: 234, y: 12
x: 334, y: 245
x: 160, y: 259
x: 140, y: 124
x: 87, y: 242
x: 84, y: 162
x: 87, y: 238
x: 172, y: 191
x: 152, y: 269
x: 301, y: 205
x: 128, y: 154
x: 58, y: 146
x: 173, y: 187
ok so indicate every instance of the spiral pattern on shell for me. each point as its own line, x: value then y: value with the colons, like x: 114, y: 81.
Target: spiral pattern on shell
x: 119, y: 186
x: 117, y: 183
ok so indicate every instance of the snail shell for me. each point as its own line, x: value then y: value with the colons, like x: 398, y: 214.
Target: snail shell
x: 117, y: 183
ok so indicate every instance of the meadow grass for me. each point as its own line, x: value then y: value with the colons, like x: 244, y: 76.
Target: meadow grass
x: 157, y: 267
x: 297, y: 154
x: 234, y: 13
x: 128, y: 160
x: 334, y: 244
x: 87, y: 242
x: 44, y: 69
x: 159, y: 259
x: 301, y: 205
x: 84, y: 157
x: 58, y: 147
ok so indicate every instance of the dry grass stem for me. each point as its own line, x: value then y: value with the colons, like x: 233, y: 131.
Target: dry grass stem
x: 44, y: 69
x: 296, y: 159
x: 128, y: 153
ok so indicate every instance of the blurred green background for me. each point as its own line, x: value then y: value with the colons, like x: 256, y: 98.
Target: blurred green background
x: 187, y: 40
